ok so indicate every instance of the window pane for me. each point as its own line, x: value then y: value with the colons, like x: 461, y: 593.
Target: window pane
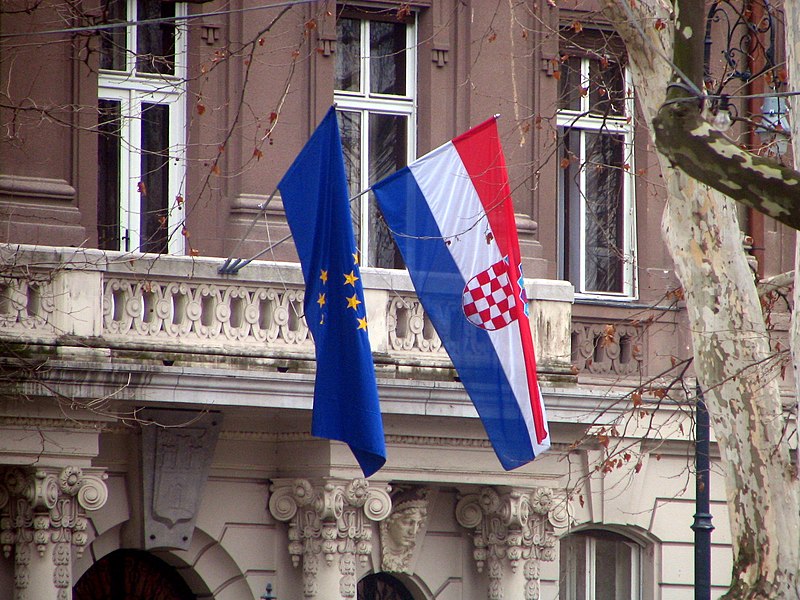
x: 607, y: 88
x: 387, y: 47
x: 154, y: 186
x: 155, y: 42
x: 569, y: 97
x: 387, y: 153
x: 350, y: 130
x: 597, y: 566
x: 604, y: 212
x: 348, y: 55
x: 613, y: 574
x: 112, y: 41
x: 108, y: 175
x: 572, y: 569
x: 387, y: 144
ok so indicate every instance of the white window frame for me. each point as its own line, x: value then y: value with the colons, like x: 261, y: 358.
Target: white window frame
x: 132, y: 89
x: 590, y: 575
x: 365, y: 102
x: 583, y: 121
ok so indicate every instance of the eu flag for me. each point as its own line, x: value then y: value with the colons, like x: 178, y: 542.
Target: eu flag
x: 315, y: 197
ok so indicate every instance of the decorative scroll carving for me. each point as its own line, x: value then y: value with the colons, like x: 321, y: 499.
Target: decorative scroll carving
x: 511, y: 529
x: 399, y: 531
x: 409, y: 328
x: 61, y: 573
x: 26, y: 304
x: 328, y: 523
x: 22, y: 578
x: 44, y: 507
x: 204, y: 311
x: 607, y: 349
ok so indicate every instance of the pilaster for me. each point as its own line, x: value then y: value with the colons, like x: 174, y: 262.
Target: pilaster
x: 42, y: 517
x: 330, y: 529
x: 513, y: 531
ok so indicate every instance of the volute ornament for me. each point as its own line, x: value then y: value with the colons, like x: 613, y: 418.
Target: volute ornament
x: 512, y: 531
x: 330, y: 527
x: 46, y: 509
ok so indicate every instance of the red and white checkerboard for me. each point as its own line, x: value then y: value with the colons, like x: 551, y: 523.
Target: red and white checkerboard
x: 488, y: 298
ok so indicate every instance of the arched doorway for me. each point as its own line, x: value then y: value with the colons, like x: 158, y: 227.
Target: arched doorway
x: 131, y: 575
x: 382, y: 586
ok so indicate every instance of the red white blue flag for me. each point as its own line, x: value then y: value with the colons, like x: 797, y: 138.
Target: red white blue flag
x: 452, y: 217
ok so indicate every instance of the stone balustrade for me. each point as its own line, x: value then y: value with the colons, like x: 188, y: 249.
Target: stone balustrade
x: 164, y: 303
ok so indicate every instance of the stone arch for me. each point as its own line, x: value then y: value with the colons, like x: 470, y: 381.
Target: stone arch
x: 635, y: 533
x: 206, y: 567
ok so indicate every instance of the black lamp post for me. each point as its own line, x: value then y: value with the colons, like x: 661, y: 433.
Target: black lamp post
x: 702, y: 526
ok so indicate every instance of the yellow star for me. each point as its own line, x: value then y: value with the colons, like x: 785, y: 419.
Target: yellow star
x: 362, y: 323
x: 321, y: 300
x: 350, y: 278
x: 353, y: 302
x: 323, y: 275
x: 355, y: 257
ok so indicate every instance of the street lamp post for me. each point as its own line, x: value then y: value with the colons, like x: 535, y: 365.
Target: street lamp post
x: 702, y: 526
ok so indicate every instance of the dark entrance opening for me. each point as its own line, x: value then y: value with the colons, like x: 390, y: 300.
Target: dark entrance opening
x: 382, y: 586
x: 131, y: 575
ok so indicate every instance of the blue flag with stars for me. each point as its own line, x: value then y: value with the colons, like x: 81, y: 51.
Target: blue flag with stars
x: 315, y: 197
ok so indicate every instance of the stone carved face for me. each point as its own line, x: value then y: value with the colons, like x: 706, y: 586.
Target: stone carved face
x: 399, y: 532
x: 404, y: 525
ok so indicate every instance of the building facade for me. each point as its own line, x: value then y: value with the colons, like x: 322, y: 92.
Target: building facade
x: 155, y: 412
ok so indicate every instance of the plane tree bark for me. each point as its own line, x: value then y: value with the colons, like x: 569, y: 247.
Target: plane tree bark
x: 732, y: 357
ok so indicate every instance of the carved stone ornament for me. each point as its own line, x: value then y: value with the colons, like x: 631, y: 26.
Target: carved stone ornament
x: 513, y: 530
x: 46, y: 509
x: 176, y: 456
x: 330, y: 527
x: 399, y: 531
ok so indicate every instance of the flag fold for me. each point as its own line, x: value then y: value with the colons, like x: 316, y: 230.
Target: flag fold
x: 452, y: 218
x: 315, y: 197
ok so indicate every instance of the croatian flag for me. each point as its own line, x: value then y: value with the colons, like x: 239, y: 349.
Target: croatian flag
x: 452, y: 218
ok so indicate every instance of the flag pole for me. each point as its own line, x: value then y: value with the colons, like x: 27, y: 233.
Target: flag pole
x: 232, y: 266
x: 230, y: 262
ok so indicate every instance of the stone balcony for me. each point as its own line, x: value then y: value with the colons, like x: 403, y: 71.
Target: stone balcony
x: 105, y: 302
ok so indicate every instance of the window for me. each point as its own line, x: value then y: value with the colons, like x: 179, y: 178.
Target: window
x: 597, y: 565
x: 141, y: 128
x: 596, y: 201
x: 375, y: 94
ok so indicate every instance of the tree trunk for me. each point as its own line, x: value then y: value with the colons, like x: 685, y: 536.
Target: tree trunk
x: 731, y: 351
x: 792, y: 23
